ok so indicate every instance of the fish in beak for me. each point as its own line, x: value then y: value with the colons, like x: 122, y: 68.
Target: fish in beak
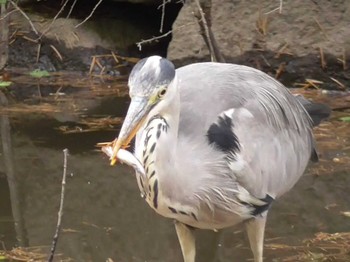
x: 137, y: 114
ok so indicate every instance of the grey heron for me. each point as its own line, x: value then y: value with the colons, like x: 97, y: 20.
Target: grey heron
x: 216, y: 144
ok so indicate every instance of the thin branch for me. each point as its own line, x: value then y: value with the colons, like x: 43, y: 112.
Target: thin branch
x: 163, y: 14
x: 150, y: 40
x: 156, y: 38
x: 281, y: 6
x: 38, y: 52
x: 89, y: 16
x: 206, y: 31
x: 279, y: 9
x: 71, y: 9
x: 54, y: 19
x: 25, y: 16
x: 8, y: 14
x: 4, y: 36
x: 60, y: 212
x: 321, y: 27
x: 323, y: 60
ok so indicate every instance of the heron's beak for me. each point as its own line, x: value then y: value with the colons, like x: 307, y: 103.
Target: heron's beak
x: 137, y: 113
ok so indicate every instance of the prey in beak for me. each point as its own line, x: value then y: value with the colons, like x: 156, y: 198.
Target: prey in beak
x: 137, y: 113
x: 148, y: 82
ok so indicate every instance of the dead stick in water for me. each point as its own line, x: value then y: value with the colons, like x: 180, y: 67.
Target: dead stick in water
x: 323, y: 60
x: 60, y: 211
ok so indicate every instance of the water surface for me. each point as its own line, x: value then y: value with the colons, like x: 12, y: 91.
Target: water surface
x: 104, y: 215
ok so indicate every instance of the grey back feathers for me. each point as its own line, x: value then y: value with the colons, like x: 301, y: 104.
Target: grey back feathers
x: 271, y: 132
x: 234, y: 86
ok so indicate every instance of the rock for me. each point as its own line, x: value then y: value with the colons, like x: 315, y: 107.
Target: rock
x: 303, y: 27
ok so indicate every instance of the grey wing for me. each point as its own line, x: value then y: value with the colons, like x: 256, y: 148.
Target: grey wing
x: 264, y: 160
x: 273, y: 139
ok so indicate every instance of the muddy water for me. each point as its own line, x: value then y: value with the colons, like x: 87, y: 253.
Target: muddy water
x: 104, y: 215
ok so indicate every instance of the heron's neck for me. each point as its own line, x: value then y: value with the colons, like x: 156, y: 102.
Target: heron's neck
x: 171, y: 112
x: 158, y: 147
x: 160, y: 136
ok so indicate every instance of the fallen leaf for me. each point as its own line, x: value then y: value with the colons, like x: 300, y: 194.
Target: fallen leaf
x: 345, y: 118
x: 5, y: 83
x: 39, y: 73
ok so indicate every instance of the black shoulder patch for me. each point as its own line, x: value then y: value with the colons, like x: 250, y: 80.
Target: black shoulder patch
x: 222, y: 135
x: 260, y: 209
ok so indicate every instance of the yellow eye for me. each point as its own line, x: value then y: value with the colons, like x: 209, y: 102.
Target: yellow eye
x: 161, y: 92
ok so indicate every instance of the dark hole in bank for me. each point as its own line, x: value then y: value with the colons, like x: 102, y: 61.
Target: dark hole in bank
x: 146, y: 17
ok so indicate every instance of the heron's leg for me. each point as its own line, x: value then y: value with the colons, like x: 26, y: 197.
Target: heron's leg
x: 187, y: 241
x: 256, y: 229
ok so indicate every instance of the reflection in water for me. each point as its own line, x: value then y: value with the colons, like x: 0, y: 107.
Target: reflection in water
x: 12, y: 180
x: 104, y: 216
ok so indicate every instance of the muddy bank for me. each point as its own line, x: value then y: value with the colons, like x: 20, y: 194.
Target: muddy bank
x: 54, y: 37
x: 292, y: 71
x: 299, y: 57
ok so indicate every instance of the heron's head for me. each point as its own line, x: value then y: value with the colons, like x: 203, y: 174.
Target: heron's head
x: 148, y: 87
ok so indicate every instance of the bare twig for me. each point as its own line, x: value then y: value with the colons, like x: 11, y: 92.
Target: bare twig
x: 38, y: 52
x: 60, y: 212
x: 279, y: 9
x: 281, y: 6
x: 163, y: 15
x: 283, y: 51
x: 206, y: 31
x: 343, y: 60
x: 150, y: 40
x: 156, y: 38
x: 56, y: 52
x: 92, y: 65
x: 281, y: 68
x: 262, y: 24
x: 8, y: 14
x: 54, y: 19
x: 265, y: 60
x: 25, y: 16
x: 71, y: 9
x: 115, y: 57
x: 321, y: 27
x: 89, y: 16
x: 323, y: 60
x: 309, y: 83
x: 4, y: 36
x: 29, y: 39
x: 340, y: 84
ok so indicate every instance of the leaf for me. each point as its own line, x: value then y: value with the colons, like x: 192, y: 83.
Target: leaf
x: 39, y: 73
x: 2, y: 258
x: 5, y: 83
x: 3, y: 2
x: 345, y: 119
